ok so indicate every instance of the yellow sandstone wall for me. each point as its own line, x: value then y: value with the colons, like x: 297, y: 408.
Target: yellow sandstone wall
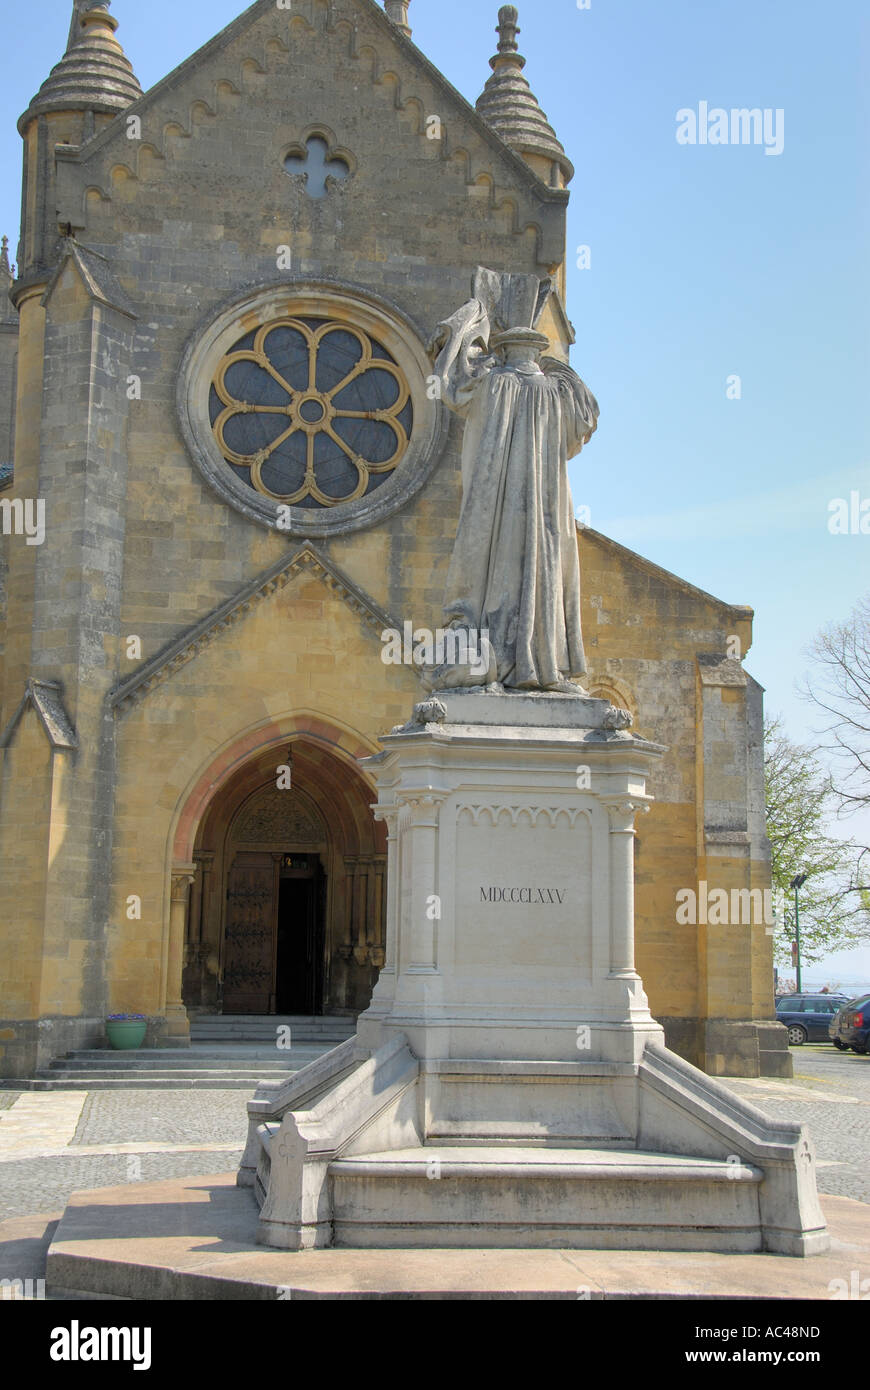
x: 648, y: 635
x: 25, y: 802
x: 299, y: 652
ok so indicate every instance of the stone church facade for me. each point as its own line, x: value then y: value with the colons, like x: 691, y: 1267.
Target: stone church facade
x: 213, y: 366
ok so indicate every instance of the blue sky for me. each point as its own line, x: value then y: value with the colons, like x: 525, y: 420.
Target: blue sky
x: 706, y: 262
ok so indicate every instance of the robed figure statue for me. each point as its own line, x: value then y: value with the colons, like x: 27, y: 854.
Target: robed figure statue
x: 514, y: 575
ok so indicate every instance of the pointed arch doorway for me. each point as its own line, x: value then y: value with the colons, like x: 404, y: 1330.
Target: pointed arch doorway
x: 287, y: 912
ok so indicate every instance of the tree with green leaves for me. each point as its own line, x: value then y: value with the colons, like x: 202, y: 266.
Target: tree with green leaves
x: 801, y: 805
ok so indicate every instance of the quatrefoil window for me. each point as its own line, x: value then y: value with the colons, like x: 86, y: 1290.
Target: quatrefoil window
x: 319, y: 169
x: 311, y: 412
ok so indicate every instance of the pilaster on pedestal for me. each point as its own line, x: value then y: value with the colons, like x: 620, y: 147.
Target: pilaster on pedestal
x: 177, y: 1021
x: 386, y: 984
x: 622, y: 812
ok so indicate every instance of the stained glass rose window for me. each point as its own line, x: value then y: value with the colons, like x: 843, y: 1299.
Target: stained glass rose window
x: 310, y: 412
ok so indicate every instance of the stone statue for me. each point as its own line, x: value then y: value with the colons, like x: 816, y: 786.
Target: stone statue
x: 514, y: 576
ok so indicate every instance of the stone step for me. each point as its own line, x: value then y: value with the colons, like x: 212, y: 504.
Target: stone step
x: 480, y: 1138
x: 232, y: 1058
x: 271, y: 1025
x: 274, y: 1021
x: 233, y: 1066
x: 549, y: 1198
x: 204, y: 1073
x: 140, y: 1081
x: 322, y: 1042
x: 219, y: 1025
x: 297, y: 1039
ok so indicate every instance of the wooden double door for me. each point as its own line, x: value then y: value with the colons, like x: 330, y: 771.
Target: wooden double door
x: 274, y: 937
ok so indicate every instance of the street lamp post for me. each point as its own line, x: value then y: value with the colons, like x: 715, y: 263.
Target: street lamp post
x: 797, y: 883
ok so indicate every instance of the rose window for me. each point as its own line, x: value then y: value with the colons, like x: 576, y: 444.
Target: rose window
x: 310, y: 412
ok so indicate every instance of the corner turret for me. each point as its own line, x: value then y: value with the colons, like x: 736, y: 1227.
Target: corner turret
x: 511, y: 108
x: 94, y: 74
x: 91, y: 84
x: 397, y: 11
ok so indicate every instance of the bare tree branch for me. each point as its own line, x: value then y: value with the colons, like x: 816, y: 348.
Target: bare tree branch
x: 839, y: 688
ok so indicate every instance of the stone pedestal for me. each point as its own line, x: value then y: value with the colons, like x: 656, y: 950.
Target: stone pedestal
x: 508, y: 1086
x: 511, y: 920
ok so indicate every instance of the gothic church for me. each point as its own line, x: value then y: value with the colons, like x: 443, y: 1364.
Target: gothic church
x: 214, y: 376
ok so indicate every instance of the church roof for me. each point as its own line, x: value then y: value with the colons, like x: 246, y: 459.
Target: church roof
x: 739, y: 612
x: 508, y: 104
x: 398, y: 34
x: 46, y: 698
x: 307, y: 560
x: 96, y: 274
x: 94, y: 74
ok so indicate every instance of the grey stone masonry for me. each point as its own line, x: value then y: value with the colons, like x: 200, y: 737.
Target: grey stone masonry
x: 76, y: 633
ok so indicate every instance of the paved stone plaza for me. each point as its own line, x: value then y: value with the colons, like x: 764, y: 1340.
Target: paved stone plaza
x: 134, y: 1136
x: 54, y: 1144
x: 830, y: 1094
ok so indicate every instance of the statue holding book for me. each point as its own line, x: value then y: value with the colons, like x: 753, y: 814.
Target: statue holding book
x: 514, y: 573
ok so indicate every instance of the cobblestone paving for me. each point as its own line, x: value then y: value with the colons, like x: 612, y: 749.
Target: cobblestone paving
x: 830, y: 1094
x: 168, y: 1117
x: 195, y: 1132
x: 45, y: 1185
x: 842, y: 1071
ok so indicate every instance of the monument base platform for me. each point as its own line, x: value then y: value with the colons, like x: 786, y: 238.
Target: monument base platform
x: 194, y: 1238
x: 508, y: 1084
x: 392, y: 1151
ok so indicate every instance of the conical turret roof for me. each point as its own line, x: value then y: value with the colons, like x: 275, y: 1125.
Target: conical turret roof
x: 94, y: 74
x: 508, y: 104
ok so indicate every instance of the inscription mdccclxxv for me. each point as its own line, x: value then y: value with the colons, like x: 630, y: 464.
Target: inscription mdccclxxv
x: 547, y: 896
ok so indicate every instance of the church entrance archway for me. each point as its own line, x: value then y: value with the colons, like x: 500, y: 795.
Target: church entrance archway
x: 288, y: 902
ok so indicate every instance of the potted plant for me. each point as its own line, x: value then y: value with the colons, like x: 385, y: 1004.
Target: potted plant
x: 126, y: 1032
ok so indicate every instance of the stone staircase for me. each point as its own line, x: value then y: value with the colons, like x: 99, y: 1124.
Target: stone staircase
x: 328, y: 1029
x: 227, y: 1052
x: 605, y: 1199
x: 392, y: 1151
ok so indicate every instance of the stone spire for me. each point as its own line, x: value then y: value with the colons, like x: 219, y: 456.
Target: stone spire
x: 508, y: 104
x: 94, y: 74
x: 6, y: 278
x: 397, y: 11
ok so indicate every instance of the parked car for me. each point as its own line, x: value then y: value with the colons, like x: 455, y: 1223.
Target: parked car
x: 808, y: 1016
x: 850, y: 1026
